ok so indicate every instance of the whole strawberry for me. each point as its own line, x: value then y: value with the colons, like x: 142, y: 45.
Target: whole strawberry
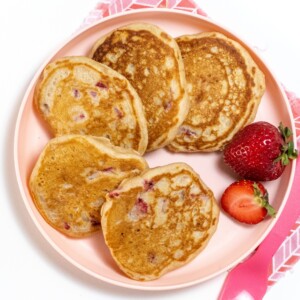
x: 260, y: 151
x: 247, y: 201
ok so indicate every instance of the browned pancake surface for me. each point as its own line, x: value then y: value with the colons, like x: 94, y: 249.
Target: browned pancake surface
x: 71, y: 178
x: 159, y: 221
x: 77, y: 95
x: 225, y: 87
x: 151, y: 61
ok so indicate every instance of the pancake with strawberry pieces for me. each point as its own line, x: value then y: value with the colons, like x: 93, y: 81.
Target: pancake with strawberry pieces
x: 158, y: 221
x: 72, y: 176
x: 224, y: 86
x: 150, y: 59
x: 76, y: 95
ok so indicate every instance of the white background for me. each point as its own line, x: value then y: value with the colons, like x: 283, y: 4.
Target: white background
x: 30, y: 31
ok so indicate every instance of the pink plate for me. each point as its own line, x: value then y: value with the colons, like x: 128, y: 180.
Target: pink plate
x: 232, y: 241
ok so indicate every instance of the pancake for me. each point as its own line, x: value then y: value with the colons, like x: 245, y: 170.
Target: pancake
x: 158, y: 221
x: 225, y: 87
x: 72, y: 176
x: 77, y: 95
x: 150, y: 59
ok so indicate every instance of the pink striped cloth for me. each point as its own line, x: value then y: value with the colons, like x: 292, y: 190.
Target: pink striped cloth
x: 289, y: 252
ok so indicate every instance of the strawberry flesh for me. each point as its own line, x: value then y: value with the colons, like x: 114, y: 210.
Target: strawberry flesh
x: 247, y: 202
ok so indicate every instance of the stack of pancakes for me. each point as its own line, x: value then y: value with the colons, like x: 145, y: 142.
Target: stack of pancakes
x: 140, y: 90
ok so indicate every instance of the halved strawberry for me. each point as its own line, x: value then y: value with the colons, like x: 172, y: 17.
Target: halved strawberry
x: 247, y: 201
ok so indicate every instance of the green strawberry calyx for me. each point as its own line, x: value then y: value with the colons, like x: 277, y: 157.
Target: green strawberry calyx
x: 288, y: 151
x: 263, y: 200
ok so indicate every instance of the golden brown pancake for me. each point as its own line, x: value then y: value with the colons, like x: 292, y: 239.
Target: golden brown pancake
x: 77, y: 95
x: 225, y: 87
x: 158, y: 221
x: 150, y: 59
x: 72, y: 176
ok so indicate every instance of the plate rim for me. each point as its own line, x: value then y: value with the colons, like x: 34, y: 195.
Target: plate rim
x: 16, y: 144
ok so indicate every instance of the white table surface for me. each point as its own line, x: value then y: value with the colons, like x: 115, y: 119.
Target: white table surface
x: 30, y: 31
